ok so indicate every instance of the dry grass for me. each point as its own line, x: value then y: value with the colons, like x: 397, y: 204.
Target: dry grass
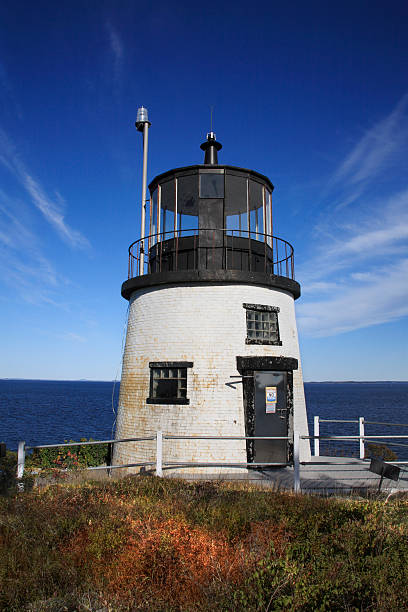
x: 153, y: 544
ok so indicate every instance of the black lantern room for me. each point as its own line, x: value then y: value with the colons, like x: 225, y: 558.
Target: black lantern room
x: 210, y: 222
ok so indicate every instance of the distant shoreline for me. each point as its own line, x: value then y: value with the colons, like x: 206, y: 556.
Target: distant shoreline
x: 308, y: 382
x: 355, y: 382
x: 59, y: 380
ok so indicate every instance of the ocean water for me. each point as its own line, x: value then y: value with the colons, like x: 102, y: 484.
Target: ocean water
x: 47, y: 412
x: 379, y: 402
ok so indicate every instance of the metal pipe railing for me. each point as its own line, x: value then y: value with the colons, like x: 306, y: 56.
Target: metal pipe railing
x: 23, y: 448
x: 159, y: 437
x: 87, y: 443
x: 157, y: 257
x: 160, y: 464
x: 390, y: 424
x: 171, y: 437
x: 362, y: 437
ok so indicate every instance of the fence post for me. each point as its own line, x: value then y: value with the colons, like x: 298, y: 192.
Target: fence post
x: 159, y: 453
x: 20, y: 464
x: 109, y: 459
x: 316, y: 432
x: 361, y: 430
x: 296, y: 466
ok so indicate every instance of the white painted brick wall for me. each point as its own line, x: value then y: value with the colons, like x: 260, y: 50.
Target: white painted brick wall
x: 205, y: 324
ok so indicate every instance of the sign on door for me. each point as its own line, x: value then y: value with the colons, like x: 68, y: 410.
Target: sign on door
x: 271, y: 399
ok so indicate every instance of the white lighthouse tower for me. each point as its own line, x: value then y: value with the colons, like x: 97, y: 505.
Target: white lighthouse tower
x: 212, y: 346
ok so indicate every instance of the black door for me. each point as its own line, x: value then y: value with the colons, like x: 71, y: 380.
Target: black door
x: 271, y: 416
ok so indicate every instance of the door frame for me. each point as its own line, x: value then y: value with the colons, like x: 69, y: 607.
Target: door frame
x: 246, y: 366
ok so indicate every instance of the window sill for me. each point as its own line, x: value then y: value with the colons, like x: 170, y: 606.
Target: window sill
x: 170, y: 400
x: 261, y: 341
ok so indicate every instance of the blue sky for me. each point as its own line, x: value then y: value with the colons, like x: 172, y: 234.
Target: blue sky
x: 312, y: 94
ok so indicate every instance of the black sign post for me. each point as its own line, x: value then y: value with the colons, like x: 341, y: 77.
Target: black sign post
x: 385, y: 470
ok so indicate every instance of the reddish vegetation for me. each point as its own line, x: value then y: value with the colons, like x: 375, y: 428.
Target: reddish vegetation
x: 155, y: 544
x: 173, y: 558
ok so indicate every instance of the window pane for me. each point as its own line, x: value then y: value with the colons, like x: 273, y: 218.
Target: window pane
x: 211, y: 185
x: 153, y: 220
x: 169, y: 383
x: 166, y: 388
x: 262, y: 325
x: 168, y: 222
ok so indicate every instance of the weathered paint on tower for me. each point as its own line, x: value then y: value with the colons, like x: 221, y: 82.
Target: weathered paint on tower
x: 212, y: 330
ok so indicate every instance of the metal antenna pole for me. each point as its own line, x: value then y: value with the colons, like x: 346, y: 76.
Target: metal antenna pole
x: 144, y: 182
x: 143, y: 124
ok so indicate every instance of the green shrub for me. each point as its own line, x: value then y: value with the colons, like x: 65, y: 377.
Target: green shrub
x: 69, y: 457
x: 146, y: 543
x: 8, y: 474
x: 380, y: 451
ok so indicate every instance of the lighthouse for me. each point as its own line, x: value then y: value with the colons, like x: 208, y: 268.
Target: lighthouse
x: 212, y: 345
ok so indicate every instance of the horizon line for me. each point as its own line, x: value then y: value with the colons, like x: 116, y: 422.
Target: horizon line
x: 118, y: 381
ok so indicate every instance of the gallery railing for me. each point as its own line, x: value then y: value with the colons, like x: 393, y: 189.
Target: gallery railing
x: 212, y: 249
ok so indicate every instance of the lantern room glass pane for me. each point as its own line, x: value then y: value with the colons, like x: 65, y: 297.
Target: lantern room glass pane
x: 167, y: 223
x: 168, y: 195
x: 238, y: 223
x: 235, y: 194
x: 153, y: 217
x: 211, y: 185
x: 268, y: 209
x: 187, y: 194
x: 188, y: 222
x: 254, y: 224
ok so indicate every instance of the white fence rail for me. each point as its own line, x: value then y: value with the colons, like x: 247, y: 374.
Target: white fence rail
x: 158, y: 463
x: 361, y: 421
x: 159, y: 437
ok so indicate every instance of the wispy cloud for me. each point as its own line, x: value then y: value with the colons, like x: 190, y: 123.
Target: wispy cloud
x: 116, y: 47
x: 115, y: 43
x: 380, y: 298
x: 72, y: 336
x: 7, y: 97
x: 23, y: 265
x: 360, y: 252
x: 51, y: 209
x: 379, y: 146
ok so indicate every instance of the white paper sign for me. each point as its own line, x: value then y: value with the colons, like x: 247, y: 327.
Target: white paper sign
x: 271, y: 399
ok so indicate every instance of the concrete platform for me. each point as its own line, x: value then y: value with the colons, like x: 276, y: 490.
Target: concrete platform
x: 324, y: 475
x: 331, y: 475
